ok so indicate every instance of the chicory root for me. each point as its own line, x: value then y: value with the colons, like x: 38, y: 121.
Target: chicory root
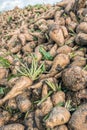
x: 43, y: 71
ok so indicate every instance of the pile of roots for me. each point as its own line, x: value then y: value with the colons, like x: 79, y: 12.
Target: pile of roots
x: 43, y: 67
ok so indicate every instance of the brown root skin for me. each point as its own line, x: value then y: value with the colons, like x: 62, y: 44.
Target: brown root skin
x: 74, y: 78
x: 44, y: 90
x: 46, y: 106
x: 21, y: 84
x: 37, y: 53
x: 82, y: 94
x: 49, y: 75
x: 79, y: 116
x: 37, y: 85
x: 4, y: 117
x: 22, y: 39
x: 38, y: 119
x: 58, y: 16
x: 12, y: 104
x: 82, y: 27
x: 27, y: 48
x: 81, y: 39
x: 53, y: 50
x: 79, y: 61
x: 30, y: 122
x: 14, y: 45
x: 56, y: 34
x: 23, y: 102
x: 3, y: 73
x: 15, y: 126
x: 81, y: 4
x: 64, y: 50
x: 73, y: 17
x: 62, y: 127
x: 65, y: 31
x: 61, y: 61
x: 58, y: 116
x: 67, y: 4
x: 58, y: 97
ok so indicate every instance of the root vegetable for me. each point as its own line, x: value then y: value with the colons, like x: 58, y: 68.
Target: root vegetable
x: 46, y: 106
x: 74, y: 78
x: 12, y: 82
x: 64, y: 50
x: 14, y: 118
x: 77, y: 54
x: 56, y: 34
x: 15, y: 126
x: 14, y: 45
x: 27, y: 48
x: 65, y: 31
x: 60, y: 61
x: 79, y: 61
x: 82, y: 27
x: 81, y: 4
x: 79, y: 116
x: 4, y: 117
x: 62, y: 127
x: 18, y: 88
x: 23, y: 102
x: 12, y: 104
x: 37, y: 53
x: 81, y: 39
x: 44, y: 90
x: 3, y: 73
x: 38, y: 119
x: 58, y: 116
x: 53, y: 50
x: 82, y: 94
x: 73, y: 17
x: 58, y: 97
x: 58, y: 16
x: 67, y: 4
x: 29, y: 121
x: 43, y: 71
x: 37, y: 85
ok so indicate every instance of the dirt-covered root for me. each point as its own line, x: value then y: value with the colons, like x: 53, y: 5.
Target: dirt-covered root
x: 12, y: 104
x: 79, y: 61
x: 3, y: 73
x: 64, y: 50
x: 58, y: 116
x: 82, y: 27
x: 22, y: 84
x: 74, y: 78
x: 39, y: 119
x: 78, y: 119
x: 57, y: 17
x: 23, y: 102
x: 58, y: 97
x: 62, y: 127
x: 67, y: 4
x: 82, y: 94
x: 56, y: 34
x: 29, y: 121
x: 4, y: 117
x: 60, y: 62
x: 81, y: 39
x: 46, y: 106
x: 78, y: 58
x: 15, y: 126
